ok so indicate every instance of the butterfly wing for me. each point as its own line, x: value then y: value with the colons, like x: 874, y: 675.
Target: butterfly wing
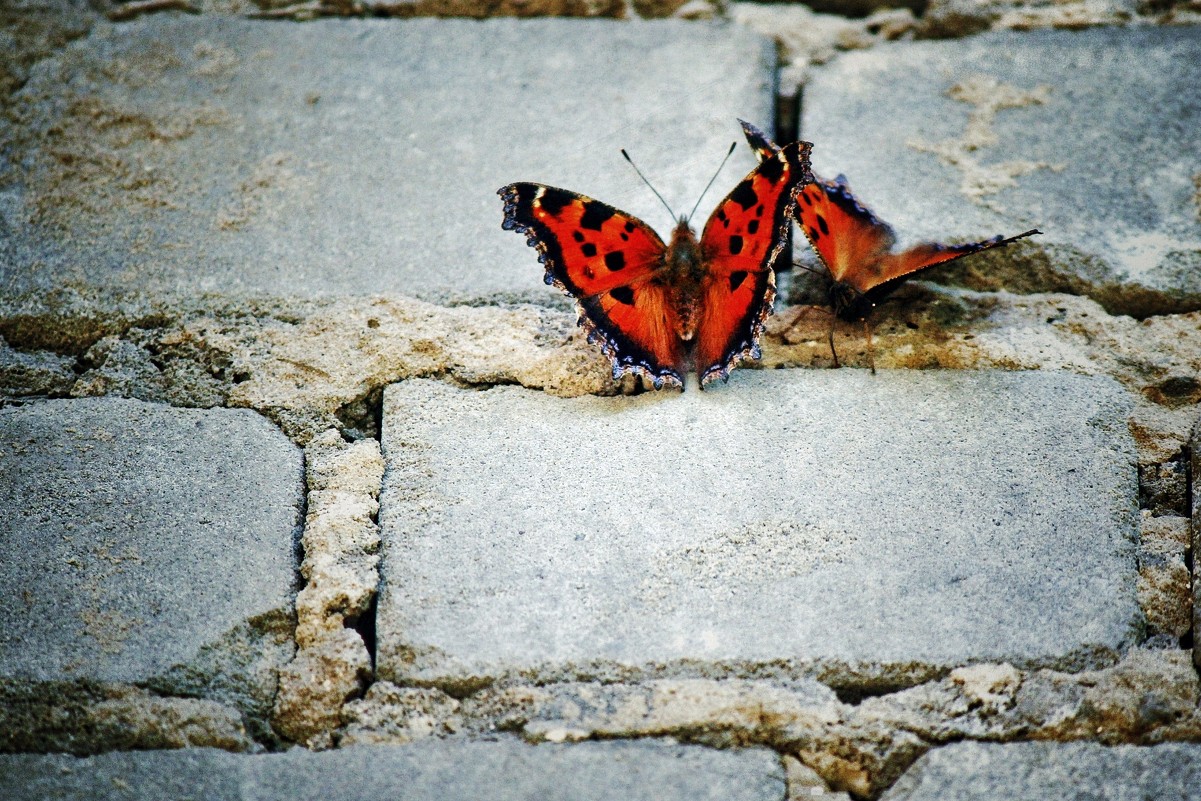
x: 605, y: 259
x: 895, y: 267
x: 741, y: 240
x: 849, y: 239
x: 764, y: 148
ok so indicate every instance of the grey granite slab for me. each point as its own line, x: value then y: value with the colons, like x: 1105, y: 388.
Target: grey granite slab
x: 504, y: 770
x: 139, y: 540
x: 1053, y: 772
x: 1088, y: 135
x: 181, y: 154
x: 869, y: 529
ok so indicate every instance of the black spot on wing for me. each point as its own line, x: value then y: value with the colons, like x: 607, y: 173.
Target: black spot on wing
x: 772, y: 169
x: 577, y: 236
x: 616, y: 260
x: 744, y: 195
x: 735, y: 244
x: 821, y: 223
x: 752, y: 227
x: 588, y: 249
x: 553, y: 201
x: 623, y: 294
x: 736, y: 279
x: 630, y: 227
x: 595, y: 215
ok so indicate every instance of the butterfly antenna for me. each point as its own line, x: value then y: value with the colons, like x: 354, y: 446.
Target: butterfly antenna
x: 711, y: 180
x: 648, y: 183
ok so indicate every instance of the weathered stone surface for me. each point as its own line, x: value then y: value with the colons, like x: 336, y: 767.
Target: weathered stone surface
x: 340, y: 541
x: 180, y: 155
x: 1053, y: 772
x: 1163, y: 576
x: 89, y: 718
x: 1006, y: 132
x: 1195, y: 527
x: 148, y: 545
x: 505, y: 770
x: 34, y: 373
x: 530, y: 536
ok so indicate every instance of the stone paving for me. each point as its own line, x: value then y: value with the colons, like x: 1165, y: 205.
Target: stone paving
x: 656, y: 542
x: 310, y: 487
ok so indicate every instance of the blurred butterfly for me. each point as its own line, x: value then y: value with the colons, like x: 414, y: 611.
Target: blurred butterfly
x: 856, y: 247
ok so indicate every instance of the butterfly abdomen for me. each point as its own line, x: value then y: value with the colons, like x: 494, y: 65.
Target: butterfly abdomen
x: 683, y: 272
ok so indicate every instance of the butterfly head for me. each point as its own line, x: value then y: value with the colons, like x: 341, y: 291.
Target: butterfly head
x: 847, y: 301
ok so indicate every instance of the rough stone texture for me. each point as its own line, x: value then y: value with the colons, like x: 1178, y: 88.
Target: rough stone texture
x: 145, y: 545
x: 1037, y: 130
x: 1053, y: 772
x: 1163, y: 575
x: 505, y: 770
x: 340, y: 541
x: 34, y: 373
x: 1195, y: 526
x: 753, y: 529
x: 858, y: 745
x: 180, y: 155
x: 90, y: 718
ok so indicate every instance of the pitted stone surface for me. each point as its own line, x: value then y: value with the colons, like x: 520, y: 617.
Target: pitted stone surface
x: 863, y: 528
x: 190, y: 154
x: 1004, y: 132
x: 1053, y: 772
x: 506, y: 770
x: 138, y: 537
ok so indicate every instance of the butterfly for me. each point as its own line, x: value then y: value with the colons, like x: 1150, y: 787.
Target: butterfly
x: 856, y: 246
x: 658, y: 309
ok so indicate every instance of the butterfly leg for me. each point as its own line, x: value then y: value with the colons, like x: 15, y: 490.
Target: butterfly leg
x: 871, y: 352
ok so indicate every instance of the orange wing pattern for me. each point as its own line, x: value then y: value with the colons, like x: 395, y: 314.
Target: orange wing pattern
x: 606, y: 260
x: 741, y: 241
x: 856, y: 247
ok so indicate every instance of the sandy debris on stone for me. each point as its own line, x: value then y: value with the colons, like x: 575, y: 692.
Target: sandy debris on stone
x: 805, y: 783
x: 986, y: 96
x: 24, y: 373
x: 96, y: 718
x: 807, y: 38
x: 1164, y: 582
x: 1150, y: 696
x: 388, y: 714
x: 302, y: 375
x: 341, y: 544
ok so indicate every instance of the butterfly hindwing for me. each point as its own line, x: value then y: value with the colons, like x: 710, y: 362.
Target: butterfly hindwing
x: 604, y: 258
x: 741, y: 240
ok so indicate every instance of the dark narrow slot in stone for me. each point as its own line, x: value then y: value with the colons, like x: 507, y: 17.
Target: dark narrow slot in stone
x: 853, y: 696
x: 785, y: 122
x: 364, y: 624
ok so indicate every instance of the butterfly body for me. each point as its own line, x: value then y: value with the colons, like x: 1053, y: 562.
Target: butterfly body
x: 659, y: 310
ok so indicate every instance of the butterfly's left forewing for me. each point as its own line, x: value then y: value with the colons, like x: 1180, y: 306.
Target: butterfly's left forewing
x: 604, y: 258
x: 741, y: 241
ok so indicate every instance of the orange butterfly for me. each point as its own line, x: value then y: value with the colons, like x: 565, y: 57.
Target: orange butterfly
x: 856, y: 246
x: 659, y: 309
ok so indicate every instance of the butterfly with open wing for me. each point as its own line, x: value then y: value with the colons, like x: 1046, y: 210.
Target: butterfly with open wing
x: 658, y: 309
x: 856, y: 247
